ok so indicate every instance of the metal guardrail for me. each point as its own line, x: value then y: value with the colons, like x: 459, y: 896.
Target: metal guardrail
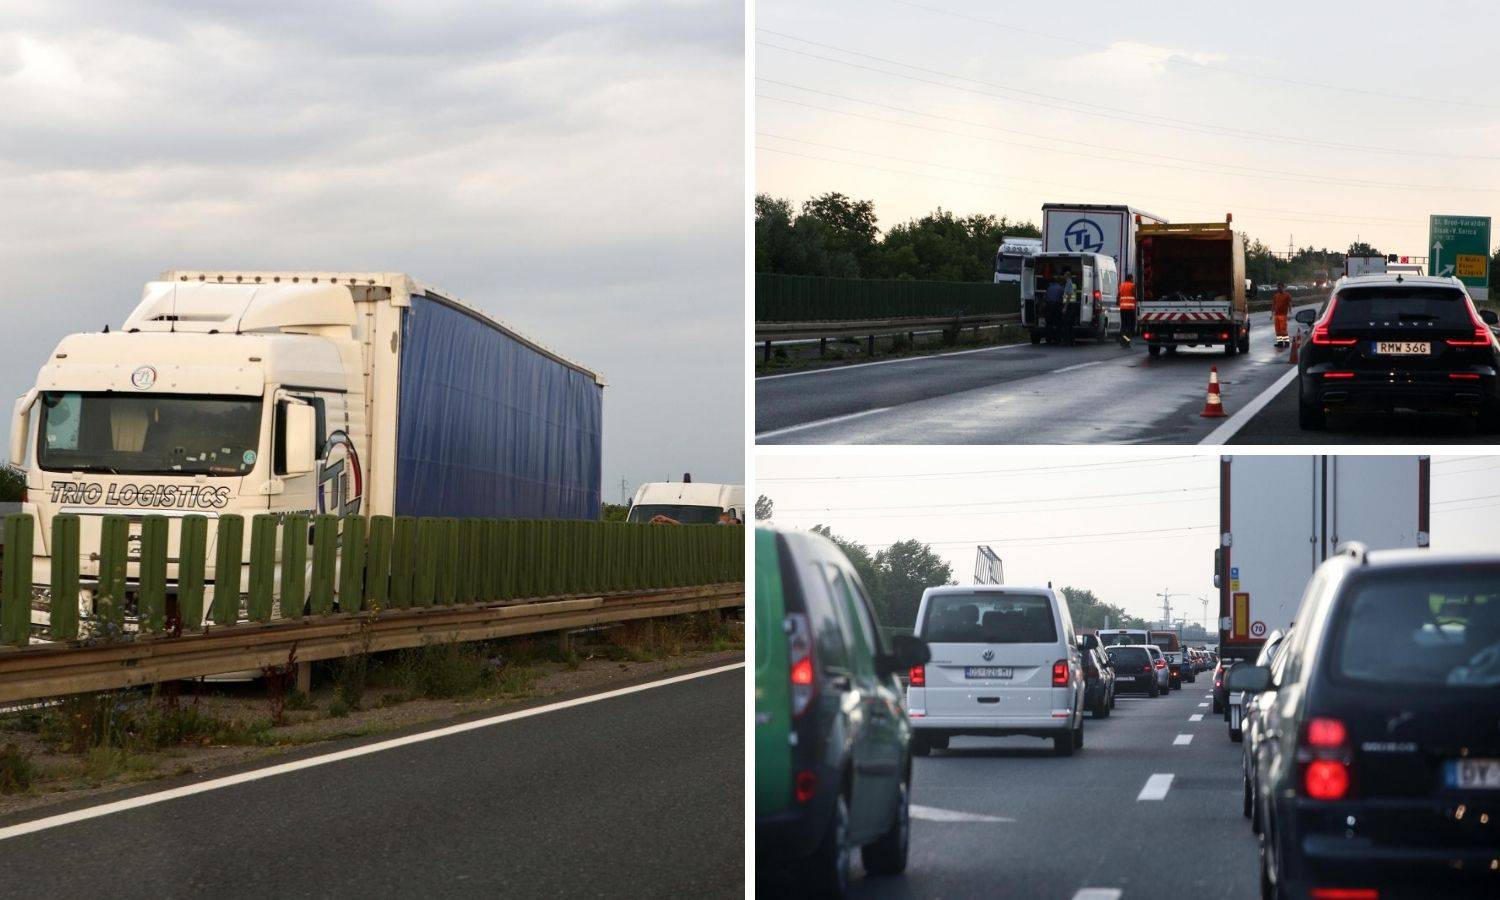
x: 770, y: 333
x: 58, y: 669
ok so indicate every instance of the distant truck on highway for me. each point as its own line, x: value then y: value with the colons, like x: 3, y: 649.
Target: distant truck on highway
x: 686, y: 502
x: 1365, y: 265
x: 1086, y: 228
x: 302, y: 392
x: 1191, y: 287
x: 1012, y: 253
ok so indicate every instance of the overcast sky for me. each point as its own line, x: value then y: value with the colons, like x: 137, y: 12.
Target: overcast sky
x: 576, y: 169
x: 1344, y: 121
x: 1069, y: 517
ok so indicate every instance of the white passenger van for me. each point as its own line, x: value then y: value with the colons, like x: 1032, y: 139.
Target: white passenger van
x: 1095, y: 312
x: 1111, y: 637
x: 1004, y: 662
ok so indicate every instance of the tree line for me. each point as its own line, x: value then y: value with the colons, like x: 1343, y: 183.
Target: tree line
x: 836, y: 236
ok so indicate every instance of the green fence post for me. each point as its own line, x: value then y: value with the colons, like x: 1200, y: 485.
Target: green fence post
x: 429, y: 552
x: 114, y: 544
x: 65, y: 549
x: 448, y: 572
x: 352, y: 565
x: 737, y: 554
x: 490, y: 566
x: 403, y: 561
x: 153, y: 574
x: 15, y: 582
x: 471, y: 560
x: 192, y: 562
x: 507, y: 558
x: 229, y: 553
x: 293, y: 565
x: 325, y: 564
x: 378, y: 563
x: 262, y: 567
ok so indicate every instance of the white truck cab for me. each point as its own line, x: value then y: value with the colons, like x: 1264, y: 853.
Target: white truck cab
x: 687, y: 502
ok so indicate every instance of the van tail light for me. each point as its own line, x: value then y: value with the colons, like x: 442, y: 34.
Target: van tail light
x: 1320, y: 330
x: 1324, y: 756
x: 1481, y: 332
x: 800, y: 651
x: 806, y: 785
x: 1060, y: 673
x: 919, y: 676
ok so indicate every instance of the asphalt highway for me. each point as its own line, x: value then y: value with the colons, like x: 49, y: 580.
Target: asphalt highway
x: 1022, y: 393
x: 637, y: 795
x: 1149, y: 808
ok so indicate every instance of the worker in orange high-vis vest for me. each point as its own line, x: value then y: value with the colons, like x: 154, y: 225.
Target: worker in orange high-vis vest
x: 1281, y: 307
x: 1127, y: 309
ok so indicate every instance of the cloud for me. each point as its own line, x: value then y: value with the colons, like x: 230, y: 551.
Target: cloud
x: 1131, y: 60
x: 577, y: 169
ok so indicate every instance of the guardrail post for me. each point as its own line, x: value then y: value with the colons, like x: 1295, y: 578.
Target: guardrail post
x: 429, y: 552
x: 15, y: 592
x: 293, y: 565
x: 192, y: 560
x: 262, y: 567
x: 64, y: 608
x: 325, y: 564
x: 378, y: 563
x: 153, y: 575
x: 229, y: 552
x: 352, y: 565
x: 403, y: 561
x: 114, y: 555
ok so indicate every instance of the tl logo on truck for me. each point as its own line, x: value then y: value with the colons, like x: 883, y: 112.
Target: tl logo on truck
x: 1084, y: 236
x: 340, y: 481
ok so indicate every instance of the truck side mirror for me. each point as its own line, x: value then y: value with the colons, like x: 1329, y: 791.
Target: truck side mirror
x: 1218, y: 563
x: 301, y: 426
x: 1306, y: 316
x: 20, y: 428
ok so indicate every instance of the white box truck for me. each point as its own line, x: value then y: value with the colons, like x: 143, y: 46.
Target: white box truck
x: 311, y: 392
x: 1364, y: 265
x: 1088, y: 228
x: 1281, y: 516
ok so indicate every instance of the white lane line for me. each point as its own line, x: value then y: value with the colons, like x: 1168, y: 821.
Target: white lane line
x: 188, y: 790
x: 1202, y: 705
x: 888, y: 362
x: 1195, y: 717
x: 1156, y: 787
x: 1237, y: 421
x: 1098, y: 894
x: 1097, y: 362
x: 1182, y: 740
x: 844, y: 418
x: 933, y: 814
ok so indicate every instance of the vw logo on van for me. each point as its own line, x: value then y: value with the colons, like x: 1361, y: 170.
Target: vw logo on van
x: 143, y: 378
x: 1084, y: 236
x: 989, y: 655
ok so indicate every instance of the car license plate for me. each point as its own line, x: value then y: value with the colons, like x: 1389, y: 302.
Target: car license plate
x: 1184, y: 335
x: 1477, y: 772
x: 987, y: 671
x: 1403, y: 348
x: 1124, y: 678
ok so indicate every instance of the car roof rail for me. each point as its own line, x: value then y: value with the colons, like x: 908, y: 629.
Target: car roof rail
x: 1355, y: 550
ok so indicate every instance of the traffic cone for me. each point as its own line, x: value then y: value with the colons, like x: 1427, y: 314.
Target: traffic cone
x: 1296, y: 344
x: 1213, y: 407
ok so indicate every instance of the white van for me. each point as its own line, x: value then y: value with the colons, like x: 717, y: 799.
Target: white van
x: 1004, y: 662
x: 686, y: 502
x: 1113, y: 637
x: 1096, y: 282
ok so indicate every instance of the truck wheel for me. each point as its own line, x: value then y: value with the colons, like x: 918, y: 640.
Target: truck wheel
x: 1171, y: 349
x: 1245, y: 340
x: 1310, y: 416
x: 886, y: 855
x: 1231, y: 346
x: 1154, y: 349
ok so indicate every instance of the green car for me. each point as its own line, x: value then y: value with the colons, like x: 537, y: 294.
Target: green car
x: 832, y: 742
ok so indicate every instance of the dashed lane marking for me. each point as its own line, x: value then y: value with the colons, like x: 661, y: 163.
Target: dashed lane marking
x: 1182, y: 740
x: 933, y: 814
x: 1195, y: 717
x: 1156, y: 787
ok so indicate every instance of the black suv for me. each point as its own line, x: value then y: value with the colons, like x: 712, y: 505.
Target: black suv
x: 1387, y: 342
x: 1378, y: 767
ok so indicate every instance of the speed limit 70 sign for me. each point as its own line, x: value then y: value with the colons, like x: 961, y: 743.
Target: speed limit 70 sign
x: 1257, y: 629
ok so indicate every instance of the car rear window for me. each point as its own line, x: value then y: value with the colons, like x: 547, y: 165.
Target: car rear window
x: 1108, y: 640
x: 989, y: 619
x: 1439, y: 306
x: 1439, y: 627
x: 1129, y: 656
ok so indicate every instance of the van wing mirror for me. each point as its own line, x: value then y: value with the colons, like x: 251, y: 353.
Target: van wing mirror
x: 1250, y: 679
x: 20, y: 427
x: 1306, y: 316
x: 299, y: 437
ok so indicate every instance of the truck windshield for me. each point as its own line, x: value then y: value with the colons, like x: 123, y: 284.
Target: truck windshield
x: 681, y: 513
x: 1008, y: 264
x: 156, y: 434
x: 1111, y: 640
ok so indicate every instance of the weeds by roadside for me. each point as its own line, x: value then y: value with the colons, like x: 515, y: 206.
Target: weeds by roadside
x: 16, y: 770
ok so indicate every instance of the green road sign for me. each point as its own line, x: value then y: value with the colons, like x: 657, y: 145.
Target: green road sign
x: 1460, y: 246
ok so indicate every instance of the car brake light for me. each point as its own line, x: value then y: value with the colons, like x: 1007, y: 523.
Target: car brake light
x: 1323, y: 732
x: 1326, y: 779
x: 1338, y: 374
x: 918, y: 676
x: 1096, y: 295
x: 807, y: 785
x: 1345, y: 894
x: 800, y: 654
x: 1481, y: 332
x: 1320, y: 330
x: 1060, y: 673
x: 1463, y: 376
x: 1161, y: 664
